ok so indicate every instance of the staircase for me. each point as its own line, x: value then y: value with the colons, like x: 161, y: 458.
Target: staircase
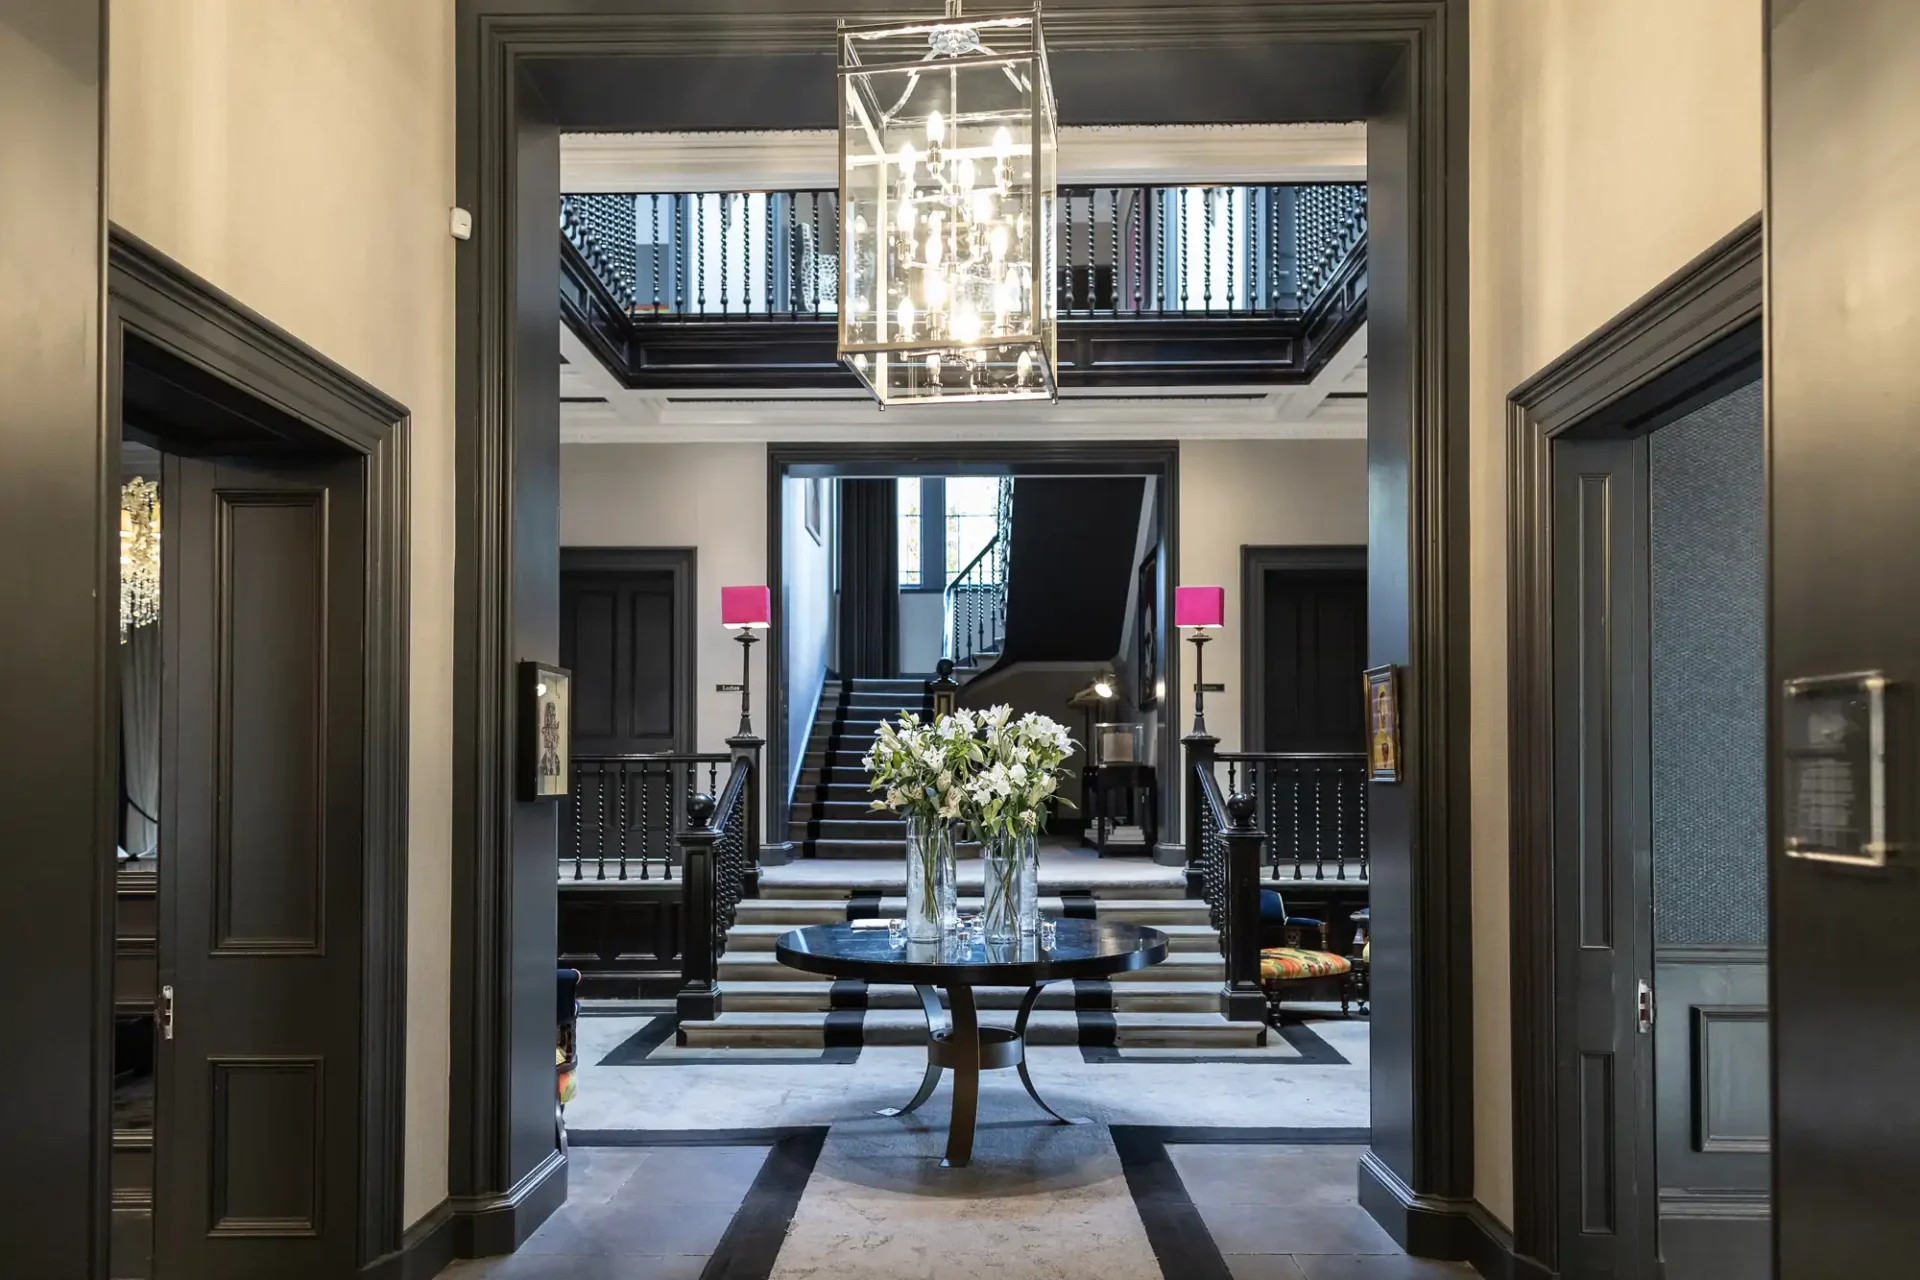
x: 1172, y: 1005
x: 833, y: 815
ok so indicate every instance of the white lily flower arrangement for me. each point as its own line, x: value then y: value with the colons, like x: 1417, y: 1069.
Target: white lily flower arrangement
x: 1018, y: 778
x: 922, y: 769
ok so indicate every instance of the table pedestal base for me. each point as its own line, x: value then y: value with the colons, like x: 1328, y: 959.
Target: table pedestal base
x: 966, y: 1048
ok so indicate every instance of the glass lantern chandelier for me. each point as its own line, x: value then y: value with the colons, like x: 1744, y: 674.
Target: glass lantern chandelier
x: 947, y: 204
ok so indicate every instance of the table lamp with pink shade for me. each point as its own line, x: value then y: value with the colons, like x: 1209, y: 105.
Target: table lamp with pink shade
x: 1204, y: 609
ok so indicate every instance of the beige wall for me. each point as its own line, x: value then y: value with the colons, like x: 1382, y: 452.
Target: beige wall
x: 1239, y: 493
x: 300, y: 157
x: 1610, y: 143
x: 711, y: 497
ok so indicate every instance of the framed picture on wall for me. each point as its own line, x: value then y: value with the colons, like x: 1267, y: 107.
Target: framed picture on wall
x: 546, y: 726
x: 1146, y: 658
x: 1383, y: 724
x: 814, y: 492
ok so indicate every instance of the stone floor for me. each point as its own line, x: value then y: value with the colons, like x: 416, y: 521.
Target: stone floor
x: 689, y: 1190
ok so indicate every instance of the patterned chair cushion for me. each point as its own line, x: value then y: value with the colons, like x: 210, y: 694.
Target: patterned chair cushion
x: 1278, y: 964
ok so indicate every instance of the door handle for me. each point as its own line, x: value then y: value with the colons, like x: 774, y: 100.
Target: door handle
x: 166, y: 1012
x: 1643, y: 1007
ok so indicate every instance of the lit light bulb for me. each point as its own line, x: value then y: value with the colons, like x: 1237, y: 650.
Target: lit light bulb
x: 1023, y: 368
x: 936, y: 128
x: 859, y: 305
x: 904, y: 317
x: 963, y: 175
x: 904, y: 217
x: 1003, y: 142
x: 983, y: 204
x: 860, y: 223
x: 934, y: 247
x: 997, y: 241
x: 860, y: 361
x: 966, y: 326
x: 935, y: 292
x: 908, y: 159
x: 1103, y: 687
x: 933, y: 366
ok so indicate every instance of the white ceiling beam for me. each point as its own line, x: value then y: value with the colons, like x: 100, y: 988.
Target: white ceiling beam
x: 1089, y: 155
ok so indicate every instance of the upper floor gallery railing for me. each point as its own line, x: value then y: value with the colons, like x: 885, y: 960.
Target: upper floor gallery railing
x: 1124, y: 251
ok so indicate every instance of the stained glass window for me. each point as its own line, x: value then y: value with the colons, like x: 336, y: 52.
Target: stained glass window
x: 911, y: 520
x: 973, y: 517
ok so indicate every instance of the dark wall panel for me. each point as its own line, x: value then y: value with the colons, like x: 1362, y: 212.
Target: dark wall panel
x: 56, y: 801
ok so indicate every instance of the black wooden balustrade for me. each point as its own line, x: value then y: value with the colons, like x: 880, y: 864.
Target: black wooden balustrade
x: 1312, y: 807
x: 720, y: 852
x: 622, y: 813
x: 1227, y: 850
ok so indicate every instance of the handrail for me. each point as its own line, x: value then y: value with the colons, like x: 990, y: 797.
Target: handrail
x: 1312, y: 805
x: 974, y: 604
x: 719, y: 853
x: 1229, y: 873
x: 618, y: 820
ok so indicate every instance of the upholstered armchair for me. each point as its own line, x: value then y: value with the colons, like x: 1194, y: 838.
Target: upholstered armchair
x: 1304, y: 965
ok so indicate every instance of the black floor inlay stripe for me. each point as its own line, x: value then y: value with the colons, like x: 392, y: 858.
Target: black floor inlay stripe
x: 844, y: 1029
x: 752, y: 1243
x: 1314, y: 1052
x: 637, y: 1049
x: 863, y: 906
x: 1181, y: 1242
x: 1077, y: 904
x: 847, y: 993
x: 1093, y: 1012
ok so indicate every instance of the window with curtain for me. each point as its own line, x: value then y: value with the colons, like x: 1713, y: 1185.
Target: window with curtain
x: 973, y: 517
x: 912, y: 518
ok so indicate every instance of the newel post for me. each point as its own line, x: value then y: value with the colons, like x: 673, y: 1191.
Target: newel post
x: 1200, y: 749
x: 1241, y: 999
x: 699, y: 998
x: 747, y: 747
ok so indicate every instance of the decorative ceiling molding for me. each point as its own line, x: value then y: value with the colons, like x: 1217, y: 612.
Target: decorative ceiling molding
x: 1089, y: 155
x: 613, y: 414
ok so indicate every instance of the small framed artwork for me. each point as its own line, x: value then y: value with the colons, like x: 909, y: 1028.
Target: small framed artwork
x: 546, y: 724
x: 1147, y: 655
x: 1383, y: 724
x: 814, y: 492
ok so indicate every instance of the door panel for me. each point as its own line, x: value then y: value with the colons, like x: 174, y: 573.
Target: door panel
x: 1315, y: 633
x: 262, y: 818
x: 617, y: 636
x: 1843, y: 391
x: 1602, y: 856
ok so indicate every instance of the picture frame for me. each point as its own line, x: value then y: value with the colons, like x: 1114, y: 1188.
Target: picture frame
x: 1146, y: 641
x: 546, y: 730
x: 814, y: 505
x: 1383, y: 724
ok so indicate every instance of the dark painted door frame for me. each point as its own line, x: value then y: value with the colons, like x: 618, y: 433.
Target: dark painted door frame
x: 528, y: 68
x: 1158, y: 459
x: 1685, y: 344
x: 1255, y: 564
x: 682, y: 564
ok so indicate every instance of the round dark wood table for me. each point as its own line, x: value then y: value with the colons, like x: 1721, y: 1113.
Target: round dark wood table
x: 959, y: 963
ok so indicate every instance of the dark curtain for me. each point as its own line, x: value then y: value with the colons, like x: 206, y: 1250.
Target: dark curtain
x: 140, y: 739
x: 869, y: 578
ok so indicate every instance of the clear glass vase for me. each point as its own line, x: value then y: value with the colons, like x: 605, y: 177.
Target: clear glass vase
x: 932, y: 891
x: 1006, y: 900
x: 1029, y: 902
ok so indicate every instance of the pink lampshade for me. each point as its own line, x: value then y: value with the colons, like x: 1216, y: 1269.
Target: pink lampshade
x: 743, y: 607
x: 1199, y: 606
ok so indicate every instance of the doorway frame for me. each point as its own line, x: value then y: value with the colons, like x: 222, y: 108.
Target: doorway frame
x: 1417, y: 1177
x: 1159, y: 460
x: 683, y: 565
x: 1692, y: 338
x: 316, y: 401
x: 1255, y: 563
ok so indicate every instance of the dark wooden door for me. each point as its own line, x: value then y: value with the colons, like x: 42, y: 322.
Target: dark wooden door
x: 1314, y: 641
x: 262, y: 818
x: 619, y: 636
x: 1603, y: 860
x: 1843, y: 390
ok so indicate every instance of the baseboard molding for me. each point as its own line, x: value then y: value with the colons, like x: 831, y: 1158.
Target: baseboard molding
x: 484, y: 1226
x: 425, y: 1250
x: 776, y: 853
x: 1442, y: 1228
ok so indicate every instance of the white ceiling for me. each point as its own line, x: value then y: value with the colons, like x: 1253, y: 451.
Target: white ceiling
x: 595, y: 408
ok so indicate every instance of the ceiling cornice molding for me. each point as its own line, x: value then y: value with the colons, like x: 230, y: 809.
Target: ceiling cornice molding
x: 1089, y: 155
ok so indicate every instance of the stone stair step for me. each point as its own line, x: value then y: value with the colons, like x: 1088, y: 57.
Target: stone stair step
x: 761, y: 936
x: 1048, y: 1027
x: 878, y: 826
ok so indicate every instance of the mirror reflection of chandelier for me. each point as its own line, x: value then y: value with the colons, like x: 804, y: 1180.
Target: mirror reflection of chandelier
x: 948, y: 173
x: 139, y: 555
